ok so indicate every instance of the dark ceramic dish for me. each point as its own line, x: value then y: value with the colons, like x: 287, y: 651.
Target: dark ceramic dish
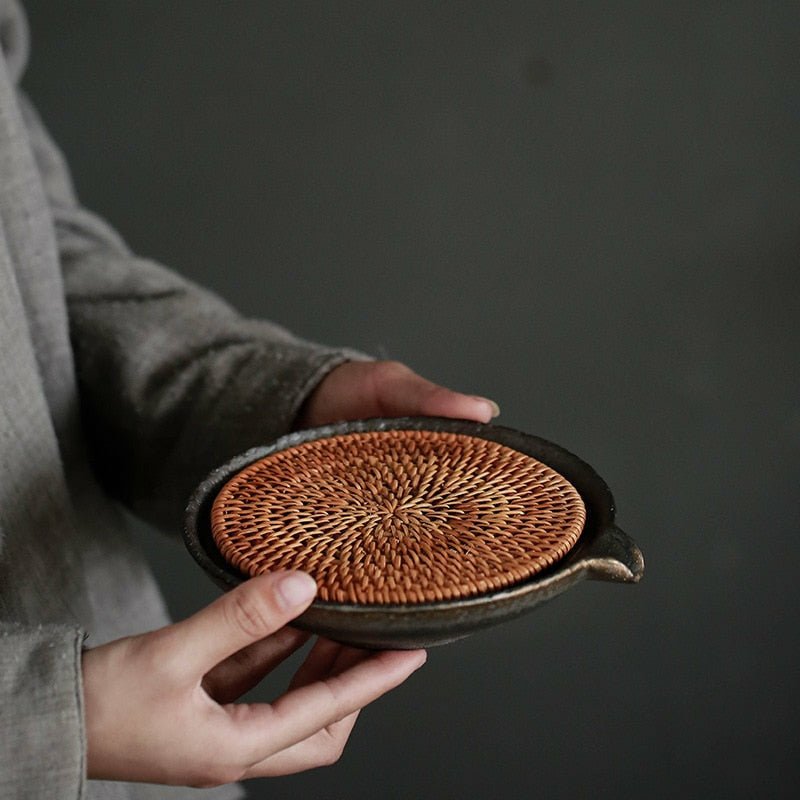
x: 603, y: 551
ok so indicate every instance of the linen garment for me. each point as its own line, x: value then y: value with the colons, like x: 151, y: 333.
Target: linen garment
x: 118, y: 379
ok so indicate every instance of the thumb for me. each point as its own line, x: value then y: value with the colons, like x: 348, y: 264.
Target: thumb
x: 250, y: 612
x: 402, y: 392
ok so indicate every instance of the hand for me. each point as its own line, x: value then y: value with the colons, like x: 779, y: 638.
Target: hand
x: 363, y: 389
x: 160, y: 707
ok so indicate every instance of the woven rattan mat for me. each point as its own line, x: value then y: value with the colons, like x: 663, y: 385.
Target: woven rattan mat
x: 400, y: 516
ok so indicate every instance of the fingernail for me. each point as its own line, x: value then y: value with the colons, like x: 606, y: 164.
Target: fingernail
x: 296, y: 588
x: 494, y: 407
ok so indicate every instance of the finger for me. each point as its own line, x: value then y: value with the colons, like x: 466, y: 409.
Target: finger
x: 443, y: 402
x: 324, y: 747
x: 401, y: 392
x: 240, y: 672
x: 300, y: 713
x: 321, y: 749
x: 246, y: 614
x: 325, y: 659
x: 317, y: 664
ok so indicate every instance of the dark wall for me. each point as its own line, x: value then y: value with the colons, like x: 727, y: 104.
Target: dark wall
x: 588, y: 211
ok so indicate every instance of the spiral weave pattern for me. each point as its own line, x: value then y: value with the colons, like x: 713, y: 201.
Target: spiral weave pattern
x: 398, y: 517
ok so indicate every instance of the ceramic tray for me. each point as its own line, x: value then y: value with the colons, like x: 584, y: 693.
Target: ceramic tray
x: 602, y: 552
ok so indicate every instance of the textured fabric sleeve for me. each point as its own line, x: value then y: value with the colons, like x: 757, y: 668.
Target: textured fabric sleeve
x: 40, y: 680
x: 172, y: 380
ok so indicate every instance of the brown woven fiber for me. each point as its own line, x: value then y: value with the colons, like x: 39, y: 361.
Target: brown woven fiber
x: 398, y: 516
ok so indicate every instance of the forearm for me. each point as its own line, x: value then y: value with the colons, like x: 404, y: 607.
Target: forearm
x: 173, y: 381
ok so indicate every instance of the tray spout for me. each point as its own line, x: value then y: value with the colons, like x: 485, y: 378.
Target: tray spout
x: 614, y: 556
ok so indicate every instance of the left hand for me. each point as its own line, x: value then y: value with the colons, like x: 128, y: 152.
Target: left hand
x: 364, y: 389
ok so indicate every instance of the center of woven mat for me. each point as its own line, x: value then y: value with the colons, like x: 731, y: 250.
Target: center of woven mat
x: 398, y: 517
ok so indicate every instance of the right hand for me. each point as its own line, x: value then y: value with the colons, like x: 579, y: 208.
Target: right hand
x: 160, y: 707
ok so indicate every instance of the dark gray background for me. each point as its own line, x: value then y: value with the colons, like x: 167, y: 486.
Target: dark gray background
x: 587, y: 211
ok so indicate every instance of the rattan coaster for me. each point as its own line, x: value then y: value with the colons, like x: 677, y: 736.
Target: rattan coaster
x: 398, y: 516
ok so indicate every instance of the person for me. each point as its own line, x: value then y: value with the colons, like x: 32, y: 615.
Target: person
x: 123, y: 383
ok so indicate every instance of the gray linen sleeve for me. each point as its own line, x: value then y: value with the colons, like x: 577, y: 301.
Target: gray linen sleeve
x: 172, y: 380
x: 40, y: 669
